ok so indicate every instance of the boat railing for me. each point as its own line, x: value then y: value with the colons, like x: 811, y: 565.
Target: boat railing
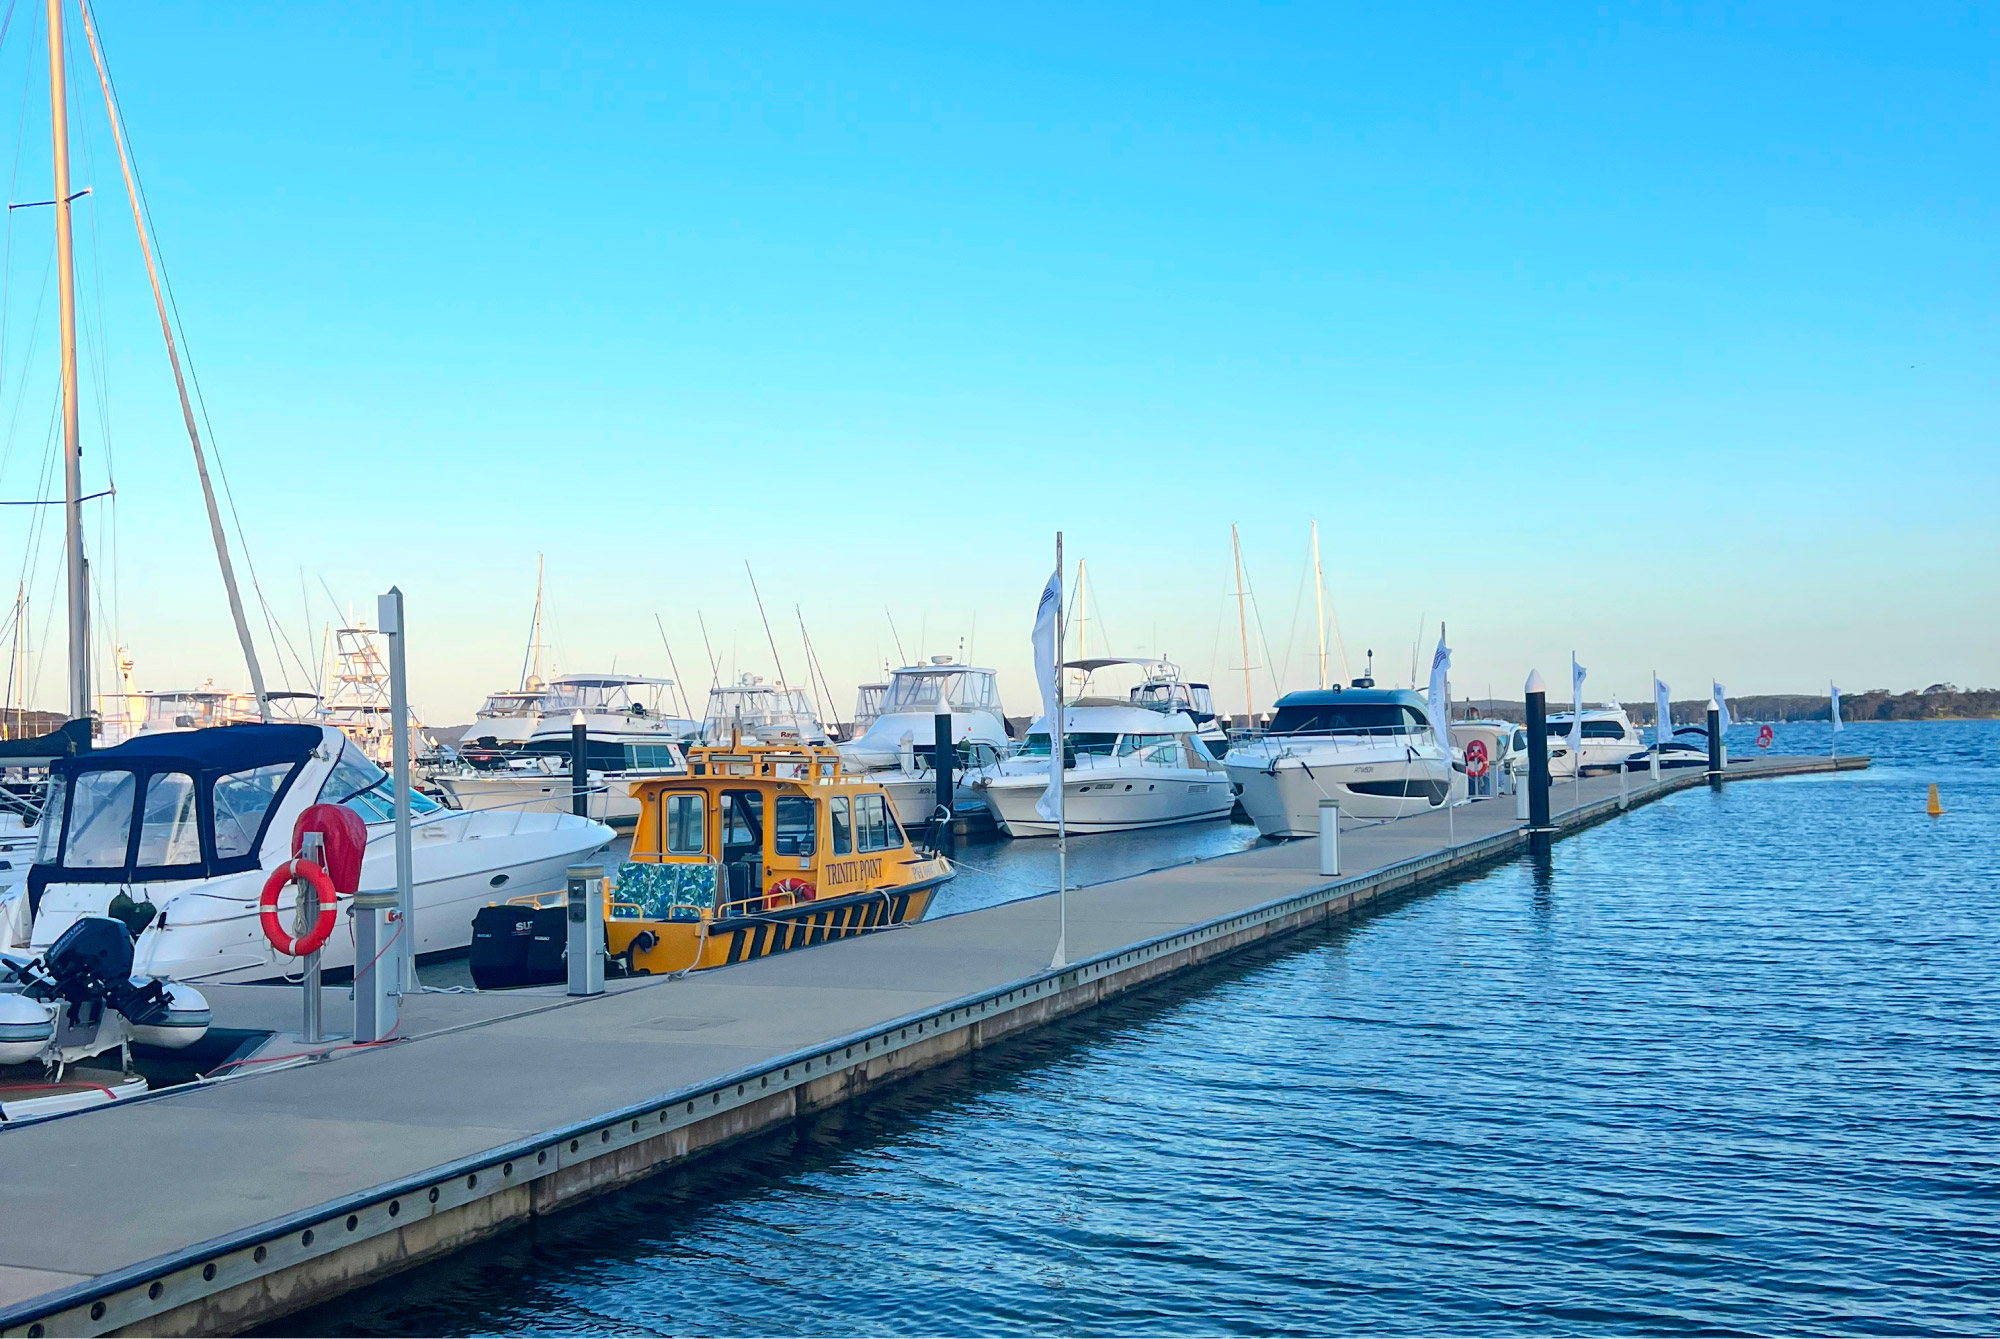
x: 1355, y: 732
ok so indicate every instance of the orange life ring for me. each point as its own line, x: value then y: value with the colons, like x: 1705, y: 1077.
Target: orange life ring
x: 798, y: 890
x: 267, y: 908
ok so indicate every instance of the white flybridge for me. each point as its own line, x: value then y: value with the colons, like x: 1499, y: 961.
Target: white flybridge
x: 504, y: 722
x: 1123, y: 767
x: 1372, y: 749
x: 899, y: 745
x: 1163, y: 689
x: 629, y: 735
x: 184, y: 827
x: 760, y: 713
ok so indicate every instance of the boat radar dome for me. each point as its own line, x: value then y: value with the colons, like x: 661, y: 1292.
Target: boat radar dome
x: 1535, y: 684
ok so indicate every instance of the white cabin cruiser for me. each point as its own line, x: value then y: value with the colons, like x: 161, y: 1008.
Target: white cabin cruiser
x: 898, y: 748
x: 502, y: 725
x: 754, y: 712
x: 1124, y: 767
x: 1609, y: 740
x: 186, y: 826
x: 1165, y: 690
x: 1371, y: 749
x: 628, y: 736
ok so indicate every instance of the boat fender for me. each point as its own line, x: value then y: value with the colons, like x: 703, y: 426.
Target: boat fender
x: 267, y: 908
x: 136, y: 916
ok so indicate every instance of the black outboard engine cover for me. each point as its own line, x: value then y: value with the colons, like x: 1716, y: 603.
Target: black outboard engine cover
x: 91, y: 964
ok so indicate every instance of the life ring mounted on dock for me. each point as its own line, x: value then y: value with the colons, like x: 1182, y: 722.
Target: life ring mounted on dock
x: 267, y: 908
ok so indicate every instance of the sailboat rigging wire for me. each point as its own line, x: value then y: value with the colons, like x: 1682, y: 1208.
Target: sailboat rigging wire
x: 57, y: 502
x: 714, y: 674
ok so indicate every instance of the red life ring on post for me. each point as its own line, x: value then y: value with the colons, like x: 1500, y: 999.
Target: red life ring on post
x: 267, y: 908
x: 1475, y: 757
x: 1764, y: 737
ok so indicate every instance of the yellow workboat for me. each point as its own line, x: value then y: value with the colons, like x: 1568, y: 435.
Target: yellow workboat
x: 760, y: 849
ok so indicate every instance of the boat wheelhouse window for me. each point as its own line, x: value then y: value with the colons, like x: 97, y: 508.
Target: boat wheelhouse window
x: 1345, y: 718
x: 1166, y: 753
x: 241, y: 801
x: 1130, y: 744
x: 843, y: 833
x: 1591, y: 730
x: 363, y: 787
x: 1521, y: 741
x: 872, y: 821
x: 742, y: 818
x: 100, y: 829
x: 168, y: 831
x: 796, y: 826
x: 686, y: 834
x: 654, y: 757
x: 48, y: 844
x: 1082, y: 741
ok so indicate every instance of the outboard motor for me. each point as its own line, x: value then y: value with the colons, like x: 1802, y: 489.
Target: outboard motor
x: 90, y: 965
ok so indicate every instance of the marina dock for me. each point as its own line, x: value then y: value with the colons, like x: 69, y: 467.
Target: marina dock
x: 222, y: 1206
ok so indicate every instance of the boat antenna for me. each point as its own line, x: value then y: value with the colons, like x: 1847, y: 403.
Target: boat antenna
x: 533, y: 654
x: 73, y: 478
x: 775, y: 660
x: 897, y: 635
x: 685, y: 708
x: 1243, y: 629
x: 812, y: 666
x: 1319, y: 603
x: 714, y: 674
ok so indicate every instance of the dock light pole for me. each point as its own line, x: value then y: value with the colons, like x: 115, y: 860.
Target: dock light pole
x: 942, y: 762
x: 1329, y: 836
x: 1538, y: 752
x: 389, y: 617
x: 304, y: 913
x: 579, y: 766
x: 583, y: 899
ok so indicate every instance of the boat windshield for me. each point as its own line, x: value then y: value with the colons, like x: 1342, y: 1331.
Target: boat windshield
x: 502, y: 705
x: 1591, y: 730
x: 605, y: 696
x: 365, y: 788
x: 928, y: 690
x: 1349, y: 718
x: 104, y: 807
x: 1082, y: 741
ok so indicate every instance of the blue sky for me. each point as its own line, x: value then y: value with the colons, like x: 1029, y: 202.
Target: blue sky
x: 1664, y: 333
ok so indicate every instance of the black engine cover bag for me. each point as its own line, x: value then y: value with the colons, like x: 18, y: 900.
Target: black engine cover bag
x: 517, y: 946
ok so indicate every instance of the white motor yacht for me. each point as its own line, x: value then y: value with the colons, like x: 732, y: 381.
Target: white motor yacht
x: 186, y: 826
x: 754, y: 712
x: 1124, y: 767
x: 898, y: 748
x: 503, y: 724
x: 1370, y: 749
x: 1609, y: 739
x: 867, y: 706
x: 1165, y: 690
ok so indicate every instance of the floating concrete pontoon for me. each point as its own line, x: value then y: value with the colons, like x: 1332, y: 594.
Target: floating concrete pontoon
x: 222, y: 1206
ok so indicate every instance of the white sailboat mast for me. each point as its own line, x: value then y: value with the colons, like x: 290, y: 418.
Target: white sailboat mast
x: 215, y: 530
x: 79, y: 594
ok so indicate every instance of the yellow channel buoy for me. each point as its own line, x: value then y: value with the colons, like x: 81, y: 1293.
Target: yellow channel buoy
x: 1935, y: 809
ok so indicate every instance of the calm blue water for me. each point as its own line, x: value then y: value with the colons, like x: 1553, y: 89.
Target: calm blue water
x: 1729, y: 1064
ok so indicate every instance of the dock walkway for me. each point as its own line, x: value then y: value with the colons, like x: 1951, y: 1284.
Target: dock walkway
x: 222, y: 1206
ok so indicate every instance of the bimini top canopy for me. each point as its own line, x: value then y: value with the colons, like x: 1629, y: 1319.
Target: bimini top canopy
x: 230, y: 748
x: 172, y: 806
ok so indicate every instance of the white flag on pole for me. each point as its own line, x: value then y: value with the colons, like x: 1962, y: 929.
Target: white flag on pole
x: 1835, y: 694
x: 1663, y: 712
x: 1048, y: 669
x: 1721, y: 706
x: 1576, y: 673
x: 1440, y: 696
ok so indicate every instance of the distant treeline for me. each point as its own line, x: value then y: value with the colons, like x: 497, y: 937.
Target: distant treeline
x: 1939, y: 702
